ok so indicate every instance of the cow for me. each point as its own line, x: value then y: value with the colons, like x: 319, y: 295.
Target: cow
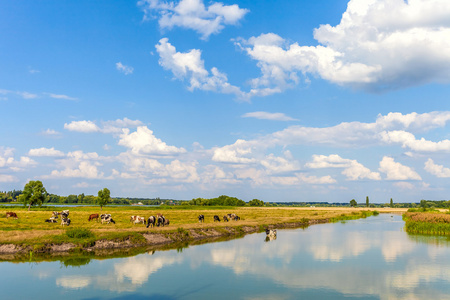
x: 166, y: 222
x: 53, y: 218
x: 11, y: 214
x: 225, y: 218
x: 271, y: 234
x: 107, y: 218
x: 137, y: 220
x: 151, y: 221
x: 216, y: 218
x: 201, y: 218
x: 65, y: 221
x: 161, y: 221
x: 65, y: 214
x: 50, y: 220
x: 93, y: 216
x: 236, y: 218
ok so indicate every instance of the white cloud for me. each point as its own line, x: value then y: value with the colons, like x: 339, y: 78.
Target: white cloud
x: 353, y: 170
x: 192, y: 14
x: 234, y: 153
x: 8, y: 178
x: 64, y: 97
x: 45, y: 152
x: 8, y: 161
x: 437, y: 170
x: 397, y: 171
x: 142, y: 141
x: 408, y: 140
x: 190, y: 66
x: 82, y: 126
x: 378, y: 45
x: 85, y: 169
x: 124, y: 68
x: 51, y: 132
x: 114, y: 127
x: 268, y: 116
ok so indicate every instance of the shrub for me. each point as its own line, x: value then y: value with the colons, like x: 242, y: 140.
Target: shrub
x: 79, y: 233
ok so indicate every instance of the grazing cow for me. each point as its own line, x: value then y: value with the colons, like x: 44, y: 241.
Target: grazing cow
x: 12, y: 215
x: 271, y: 233
x: 65, y: 221
x: 161, y: 221
x: 107, y: 218
x: 236, y: 218
x: 151, y: 221
x: 65, y: 214
x: 216, y: 218
x: 137, y: 220
x: 201, y: 218
x: 225, y: 218
x: 93, y: 216
x: 166, y: 222
x: 51, y: 220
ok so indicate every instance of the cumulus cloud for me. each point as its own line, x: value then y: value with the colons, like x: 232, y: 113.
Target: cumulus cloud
x: 408, y: 140
x: 262, y: 115
x: 142, y: 141
x: 190, y: 66
x: 127, y: 70
x: 193, y: 14
x: 8, y: 178
x: 45, y: 152
x: 397, y: 171
x: 82, y: 126
x: 114, y: 127
x: 378, y: 45
x: 8, y: 161
x: 353, y: 170
x: 437, y: 170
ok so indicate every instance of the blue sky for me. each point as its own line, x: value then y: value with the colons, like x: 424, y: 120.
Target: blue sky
x: 275, y: 100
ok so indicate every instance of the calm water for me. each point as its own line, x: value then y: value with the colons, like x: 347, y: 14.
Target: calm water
x: 364, y: 259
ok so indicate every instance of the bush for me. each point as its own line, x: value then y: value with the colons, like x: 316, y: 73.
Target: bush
x: 79, y: 233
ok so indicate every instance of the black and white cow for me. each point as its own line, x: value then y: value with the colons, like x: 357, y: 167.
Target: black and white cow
x: 151, y: 221
x: 65, y: 221
x: 161, y: 221
x: 225, y: 218
x: 201, y: 218
x: 107, y: 218
x: 216, y: 218
x: 53, y: 218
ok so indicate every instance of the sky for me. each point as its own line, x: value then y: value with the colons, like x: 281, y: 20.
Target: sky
x: 325, y: 100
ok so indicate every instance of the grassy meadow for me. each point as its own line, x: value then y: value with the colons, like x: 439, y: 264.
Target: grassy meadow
x: 30, y: 228
x: 431, y: 222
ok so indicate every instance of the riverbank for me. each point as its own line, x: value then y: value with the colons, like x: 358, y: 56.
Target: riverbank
x: 30, y: 233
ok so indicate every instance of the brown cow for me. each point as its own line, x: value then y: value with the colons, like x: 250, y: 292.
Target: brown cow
x: 93, y: 216
x: 11, y: 214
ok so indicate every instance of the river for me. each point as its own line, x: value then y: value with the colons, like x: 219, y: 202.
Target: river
x: 369, y: 258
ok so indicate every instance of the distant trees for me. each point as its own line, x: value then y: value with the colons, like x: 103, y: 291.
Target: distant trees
x: 103, y: 197
x: 353, y: 203
x: 219, y: 201
x: 256, y: 202
x: 34, y: 193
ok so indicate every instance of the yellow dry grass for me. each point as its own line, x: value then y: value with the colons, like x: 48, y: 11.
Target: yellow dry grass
x: 31, y: 225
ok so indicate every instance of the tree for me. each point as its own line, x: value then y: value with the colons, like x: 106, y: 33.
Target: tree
x: 103, y: 197
x: 34, y: 193
x: 256, y: 202
x: 392, y: 203
x: 353, y: 203
x: 367, y: 201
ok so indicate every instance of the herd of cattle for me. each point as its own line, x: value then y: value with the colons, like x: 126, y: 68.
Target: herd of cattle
x: 152, y: 221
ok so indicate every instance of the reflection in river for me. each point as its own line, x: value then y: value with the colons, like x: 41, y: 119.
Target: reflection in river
x: 364, y: 259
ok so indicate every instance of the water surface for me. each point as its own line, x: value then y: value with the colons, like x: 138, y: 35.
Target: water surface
x: 370, y: 258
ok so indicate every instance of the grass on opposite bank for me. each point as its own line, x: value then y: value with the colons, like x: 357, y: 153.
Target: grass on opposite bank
x: 31, y: 229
